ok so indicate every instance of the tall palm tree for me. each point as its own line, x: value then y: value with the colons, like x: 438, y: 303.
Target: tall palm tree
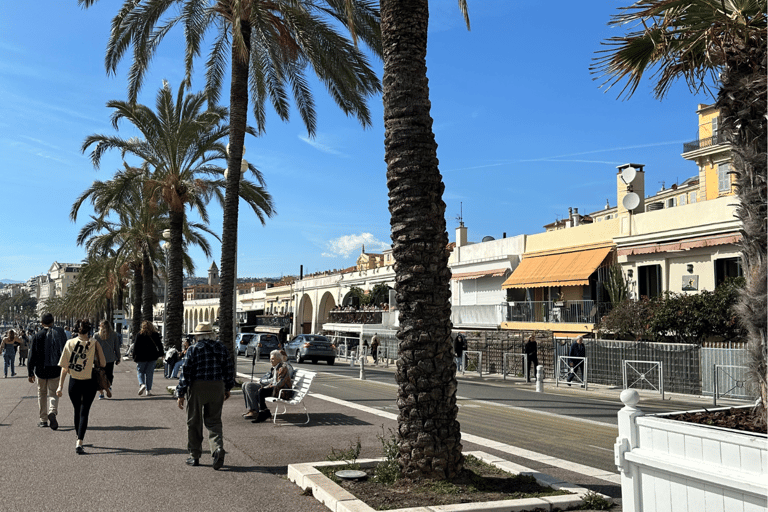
x: 180, y: 143
x: 269, y: 46
x: 720, y: 42
x: 429, y: 435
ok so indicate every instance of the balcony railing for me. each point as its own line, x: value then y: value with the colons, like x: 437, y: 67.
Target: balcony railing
x: 482, y: 315
x: 705, y: 143
x: 273, y: 321
x: 568, y: 311
x: 355, y: 317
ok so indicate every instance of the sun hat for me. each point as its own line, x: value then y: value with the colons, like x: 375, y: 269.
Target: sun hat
x: 202, y: 328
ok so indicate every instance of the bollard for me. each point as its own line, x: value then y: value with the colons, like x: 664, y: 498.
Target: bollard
x: 540, y: 379
x: 362, y: 368
x: 352, y: 357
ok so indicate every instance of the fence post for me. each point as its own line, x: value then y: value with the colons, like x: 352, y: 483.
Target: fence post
x: 539, y: 378
x: 626, y: 442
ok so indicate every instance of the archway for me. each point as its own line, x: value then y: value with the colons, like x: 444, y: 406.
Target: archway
x: 305, y: 315
x: 327, y: 303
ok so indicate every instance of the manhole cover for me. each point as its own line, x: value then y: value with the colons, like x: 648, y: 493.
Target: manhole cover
x: 351, y: 474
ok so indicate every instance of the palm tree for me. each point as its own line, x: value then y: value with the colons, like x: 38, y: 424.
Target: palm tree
x: 720, y: 42
x: 269, y: 46
x: 429, y: 435
x: 180, y: 143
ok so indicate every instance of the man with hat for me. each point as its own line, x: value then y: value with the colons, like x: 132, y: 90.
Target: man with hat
x: 207, y: 375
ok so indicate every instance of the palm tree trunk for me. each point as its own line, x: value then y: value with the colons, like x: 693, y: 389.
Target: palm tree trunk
x: 742, y: 103
x: 148, y: 280
x: 138, y: 286
x: 429, y: 435
x: 174, y: 316
x: 238, y: 117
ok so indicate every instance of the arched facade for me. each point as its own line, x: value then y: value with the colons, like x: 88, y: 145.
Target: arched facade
x: 305, y: 315
x: 327, y: 303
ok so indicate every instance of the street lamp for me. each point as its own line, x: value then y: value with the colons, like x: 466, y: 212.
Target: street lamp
x: 243, y: 170
x: 166, y: 245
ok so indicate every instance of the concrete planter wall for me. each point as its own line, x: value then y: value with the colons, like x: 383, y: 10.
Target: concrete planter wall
x: 674, y: 466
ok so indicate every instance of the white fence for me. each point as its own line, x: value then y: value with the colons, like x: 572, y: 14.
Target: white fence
x: 483, y: 315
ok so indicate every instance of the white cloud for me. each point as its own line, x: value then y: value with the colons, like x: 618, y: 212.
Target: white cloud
x: 346, y: 245
x: 320, y: 146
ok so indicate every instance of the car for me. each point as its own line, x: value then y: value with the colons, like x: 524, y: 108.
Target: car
x: 264, y: 343
x: 312, y: 347
x: 241, y: 342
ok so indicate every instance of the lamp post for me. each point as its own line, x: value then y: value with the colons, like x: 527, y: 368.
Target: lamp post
x: 166, y: 245
x: 243, y: 170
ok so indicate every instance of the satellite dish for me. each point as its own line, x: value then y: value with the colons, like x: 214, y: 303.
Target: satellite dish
x: 631, y: 200
x: 488, y: 239
x: 628, y: 175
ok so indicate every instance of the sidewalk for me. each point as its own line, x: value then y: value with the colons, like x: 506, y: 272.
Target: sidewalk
x: 136, y: 448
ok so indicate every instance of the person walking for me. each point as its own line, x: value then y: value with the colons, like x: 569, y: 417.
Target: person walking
x: 207, y: 375
x: 375, y: 348
x: 23, y: 348
x: 532, y: 357
x: 459, y: 346
x: 77, y: 360
x: 146, y: 350
x: 44, y: 354
x: 8, y: 347
x: 577, y: 353
x: 110, y: 345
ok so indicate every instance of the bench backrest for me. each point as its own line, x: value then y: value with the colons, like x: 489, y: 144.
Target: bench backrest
x: 301, y: 384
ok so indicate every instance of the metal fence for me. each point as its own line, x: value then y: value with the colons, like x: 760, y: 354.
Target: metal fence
x: 730, y: 382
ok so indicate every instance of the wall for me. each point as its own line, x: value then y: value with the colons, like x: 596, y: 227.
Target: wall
x: 495, y: 249
x: 586, y: 234
x: 704, y: 215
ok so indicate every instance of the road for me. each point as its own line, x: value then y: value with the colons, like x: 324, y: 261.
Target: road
x: 567, y: 423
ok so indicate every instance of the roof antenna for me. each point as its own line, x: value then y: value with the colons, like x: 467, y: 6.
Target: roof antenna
x: 662, y: 185
x: 460, y: 216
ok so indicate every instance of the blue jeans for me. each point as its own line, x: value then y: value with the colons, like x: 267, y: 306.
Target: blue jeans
x: 9, y: 361
x: 146, y: 371
x: 176, y: 368
x: 458, y: 363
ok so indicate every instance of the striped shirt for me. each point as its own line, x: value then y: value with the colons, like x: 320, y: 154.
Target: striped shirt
x: 206, y: 360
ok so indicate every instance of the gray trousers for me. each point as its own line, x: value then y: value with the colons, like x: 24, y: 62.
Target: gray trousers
x: 205, y: 401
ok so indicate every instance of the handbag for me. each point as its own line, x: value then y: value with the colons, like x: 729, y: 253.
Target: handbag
x: 99, y: 376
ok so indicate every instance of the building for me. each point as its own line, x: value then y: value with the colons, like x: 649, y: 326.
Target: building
x: 210, y: 290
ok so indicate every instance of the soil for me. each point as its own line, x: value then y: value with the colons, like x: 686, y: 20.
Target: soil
x: 738, y: 419
x: 476, y: 483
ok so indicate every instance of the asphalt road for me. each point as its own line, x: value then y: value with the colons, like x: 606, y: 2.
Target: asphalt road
x: 567, y: 423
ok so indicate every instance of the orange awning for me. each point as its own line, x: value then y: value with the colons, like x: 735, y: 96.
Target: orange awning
x: 564, y: 269
x: 496, y: 272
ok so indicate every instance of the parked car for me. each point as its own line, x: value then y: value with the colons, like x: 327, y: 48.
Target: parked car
x: 312, y: 347
x: 264, y: 343
x: 241, y: 342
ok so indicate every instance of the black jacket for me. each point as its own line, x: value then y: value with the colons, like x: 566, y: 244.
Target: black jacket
x: 46, y: 347
x: 147, y: 347
x: 531, y: 350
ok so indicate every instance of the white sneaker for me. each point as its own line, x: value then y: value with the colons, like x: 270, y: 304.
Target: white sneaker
x: 148, y: 393
x: 142, y: 389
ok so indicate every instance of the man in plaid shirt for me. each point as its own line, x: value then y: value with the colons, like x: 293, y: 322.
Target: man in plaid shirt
x: 207, y: 375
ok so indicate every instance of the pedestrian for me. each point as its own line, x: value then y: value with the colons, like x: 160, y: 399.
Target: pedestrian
x: 44, y: 354
x: 177, y: 365
x: 255, y: 393
x: 375, y: 348
x: 8, y: 348
x: 147, y: 348
x: 576, y: 362
x: 532, y: 356
x: 207, y: 375
x: 77, y: 360
x: 68, y: 332
x: 23, y: 348
x: 459, y: 346
x: 110, y: 345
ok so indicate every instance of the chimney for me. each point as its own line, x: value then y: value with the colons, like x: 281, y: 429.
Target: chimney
x: 504, y: 235
x: 461, y: 235
x: 301, y: 272
x: 570, y: 218
x: 576, y: 219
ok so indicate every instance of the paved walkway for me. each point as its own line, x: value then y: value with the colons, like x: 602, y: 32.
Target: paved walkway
x: 136, y: 448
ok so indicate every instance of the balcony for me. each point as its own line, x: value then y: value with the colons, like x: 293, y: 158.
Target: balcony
x: 719, y: 138
x: 355, y: 317
x: 567, y: 312
x: 490, y: 315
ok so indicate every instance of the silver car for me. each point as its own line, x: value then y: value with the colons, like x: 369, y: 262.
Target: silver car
x: 312, y: 347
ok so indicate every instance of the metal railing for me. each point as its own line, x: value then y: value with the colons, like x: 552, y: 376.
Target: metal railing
x: 643, y: 374
x: 730, y: 381
x: 477, y: 364
x: 486, y: 314
x: 567, y: 367
x: 706, y: 142
x: 567, y: 311
x: 355, y: 317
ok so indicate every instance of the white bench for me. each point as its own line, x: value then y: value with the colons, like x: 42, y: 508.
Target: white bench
x: 301, y: 383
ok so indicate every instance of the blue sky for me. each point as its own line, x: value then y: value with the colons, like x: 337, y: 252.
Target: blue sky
x: 524, y: 132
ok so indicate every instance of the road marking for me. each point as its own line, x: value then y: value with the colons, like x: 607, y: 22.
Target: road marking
x: 600, y: 448
x: 519, y: 452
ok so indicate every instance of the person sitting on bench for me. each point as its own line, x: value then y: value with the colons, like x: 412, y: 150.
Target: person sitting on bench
x: 254, y: 393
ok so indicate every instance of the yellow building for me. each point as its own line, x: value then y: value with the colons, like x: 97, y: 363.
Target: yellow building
x: 712, y: 153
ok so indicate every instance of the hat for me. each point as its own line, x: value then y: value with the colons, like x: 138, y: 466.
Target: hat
x: 203, y: 328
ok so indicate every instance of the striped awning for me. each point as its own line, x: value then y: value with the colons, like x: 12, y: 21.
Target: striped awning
x: 571, y: 268
x: 496, y: 272
x: 682, y: 245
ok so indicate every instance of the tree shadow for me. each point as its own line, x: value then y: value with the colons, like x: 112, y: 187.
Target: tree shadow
x: 323, y: 419
x: 154, y: 452
x: 125, y: 428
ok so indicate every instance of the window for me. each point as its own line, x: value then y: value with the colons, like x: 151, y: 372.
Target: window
x: 723, y: 177
x: 682, y: 200
x: 649, y: 280
x: 727, y: 267
x: 670, y: 202
x: 714, y: 126
x: 692, y: 197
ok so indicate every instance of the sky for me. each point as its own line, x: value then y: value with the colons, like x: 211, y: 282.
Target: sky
x: 524, y: 132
